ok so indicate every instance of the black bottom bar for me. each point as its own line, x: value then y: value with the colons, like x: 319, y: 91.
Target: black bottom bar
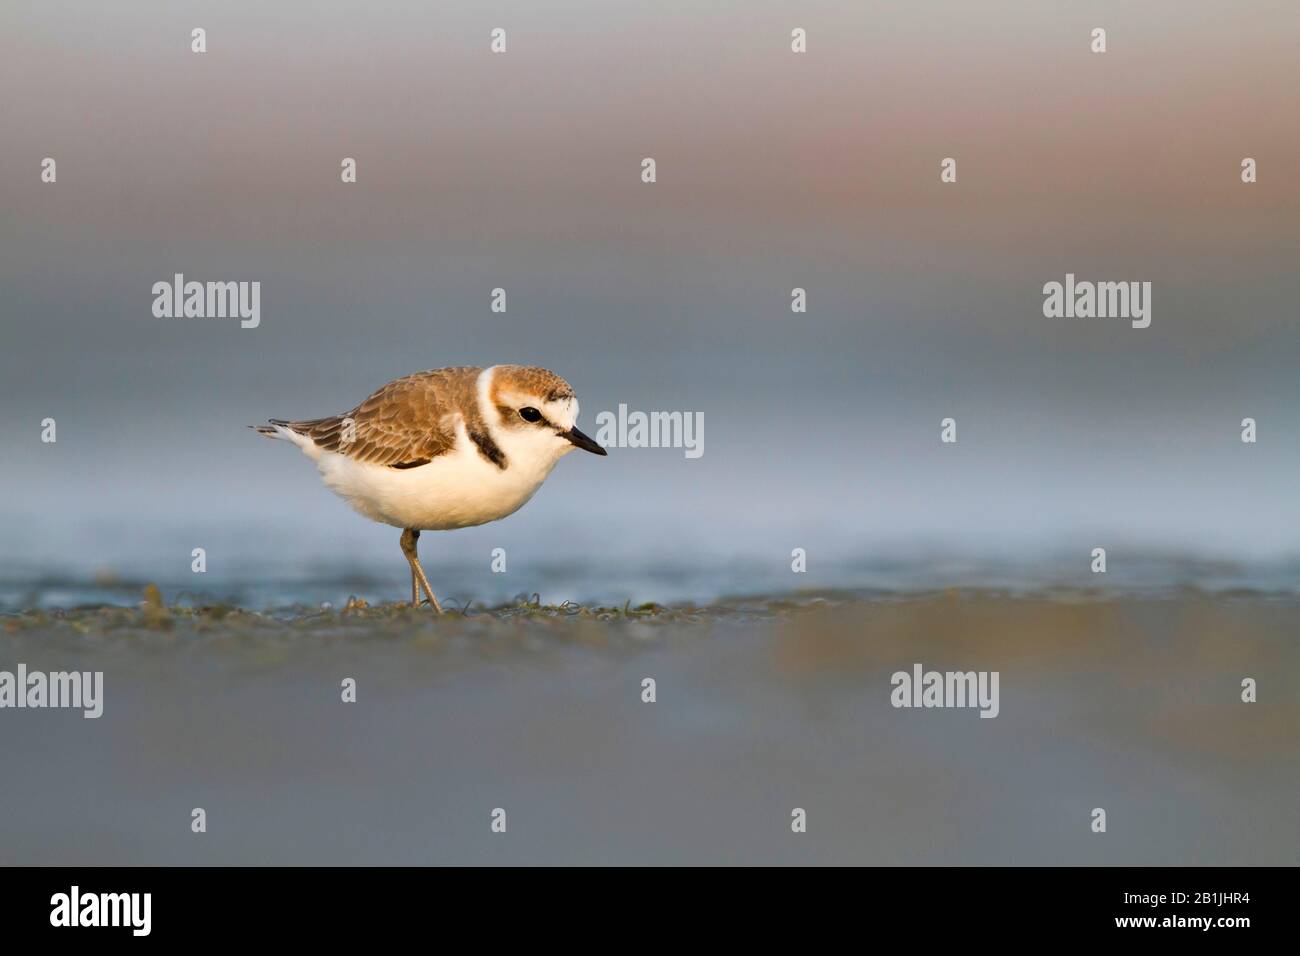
x: 239, y: 905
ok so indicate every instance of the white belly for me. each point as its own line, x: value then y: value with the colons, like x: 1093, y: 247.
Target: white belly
x: 457, y: 490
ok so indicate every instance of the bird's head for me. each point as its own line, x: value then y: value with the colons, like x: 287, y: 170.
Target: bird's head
x: 535, y: 413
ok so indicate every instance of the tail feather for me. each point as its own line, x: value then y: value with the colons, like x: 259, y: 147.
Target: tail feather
x: 277, y: 427
x: 300, y: 433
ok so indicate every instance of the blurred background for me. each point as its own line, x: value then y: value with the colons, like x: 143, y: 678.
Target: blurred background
x: 774, y: 171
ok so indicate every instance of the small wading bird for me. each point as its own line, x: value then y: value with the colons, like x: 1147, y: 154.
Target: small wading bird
x: 448, y: 448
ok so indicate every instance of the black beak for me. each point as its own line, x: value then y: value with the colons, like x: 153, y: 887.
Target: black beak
x: 583, y: 442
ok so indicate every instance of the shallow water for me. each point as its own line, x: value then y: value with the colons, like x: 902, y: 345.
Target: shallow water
x: 763, y: 705
x: 271, y: 582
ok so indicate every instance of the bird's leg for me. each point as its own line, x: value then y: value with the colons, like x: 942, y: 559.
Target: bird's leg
x: 410, y: 539
x: 419, y: 571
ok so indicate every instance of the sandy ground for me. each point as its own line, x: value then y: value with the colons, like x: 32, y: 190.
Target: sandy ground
x: 762, y: 706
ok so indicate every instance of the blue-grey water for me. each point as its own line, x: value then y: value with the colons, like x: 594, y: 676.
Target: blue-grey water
x: 262, y: 583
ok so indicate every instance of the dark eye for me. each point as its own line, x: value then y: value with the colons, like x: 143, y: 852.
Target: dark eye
x: 530, y: 414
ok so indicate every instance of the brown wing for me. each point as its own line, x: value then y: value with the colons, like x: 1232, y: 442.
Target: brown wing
x: 407, y: 423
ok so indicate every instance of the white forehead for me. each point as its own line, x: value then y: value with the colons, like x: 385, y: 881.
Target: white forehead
x: 562, y: 412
